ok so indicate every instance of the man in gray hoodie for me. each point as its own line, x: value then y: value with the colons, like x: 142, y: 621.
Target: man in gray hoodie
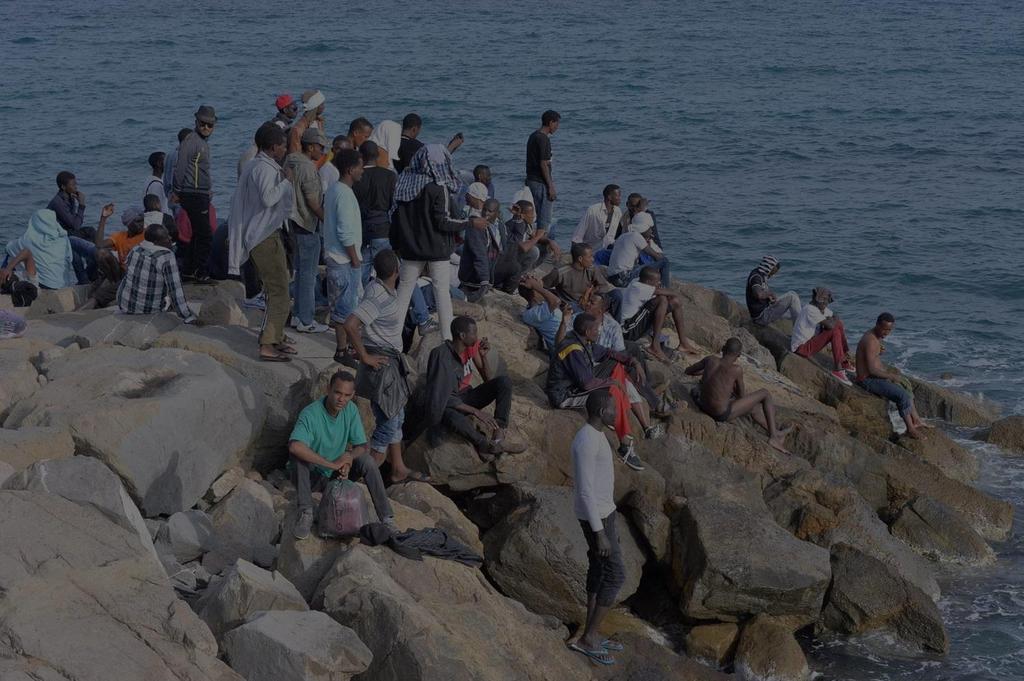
x: 193, y: 185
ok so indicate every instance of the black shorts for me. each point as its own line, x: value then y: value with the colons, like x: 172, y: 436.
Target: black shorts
x: 639, y: 325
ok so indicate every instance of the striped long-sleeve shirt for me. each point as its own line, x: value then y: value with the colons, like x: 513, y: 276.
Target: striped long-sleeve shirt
x: 151, y: 276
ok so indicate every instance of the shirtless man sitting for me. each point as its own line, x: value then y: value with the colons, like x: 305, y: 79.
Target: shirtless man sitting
x: 874, y: 377
x: 722, y: 381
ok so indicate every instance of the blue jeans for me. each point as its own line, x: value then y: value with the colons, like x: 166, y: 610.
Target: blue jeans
x: 83, y: 259
x: 386, y: 431
x: 542, y: 205
x: 622, y: 279
x: 890, y: 391
x: 369, y: 252
x: 307, y: 265
x: 344, y: 287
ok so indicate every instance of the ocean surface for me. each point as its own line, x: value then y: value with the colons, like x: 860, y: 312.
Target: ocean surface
x: 875, y: 147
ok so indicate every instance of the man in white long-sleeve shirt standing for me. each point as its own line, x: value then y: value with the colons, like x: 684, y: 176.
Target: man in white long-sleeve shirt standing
x: 593, y: 468
x: 598, y: 224
x: 259, y: 207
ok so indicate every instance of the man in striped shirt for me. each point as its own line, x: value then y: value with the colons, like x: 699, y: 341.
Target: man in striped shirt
x: 151, y: 276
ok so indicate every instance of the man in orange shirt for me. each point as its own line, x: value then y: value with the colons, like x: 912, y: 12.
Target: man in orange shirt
x: 120, y: 242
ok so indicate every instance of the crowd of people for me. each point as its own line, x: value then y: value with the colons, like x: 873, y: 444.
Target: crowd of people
x: 368, y: 233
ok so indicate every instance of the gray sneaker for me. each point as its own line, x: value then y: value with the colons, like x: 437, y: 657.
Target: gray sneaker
x: 303, y: 524
x: 429, y: 326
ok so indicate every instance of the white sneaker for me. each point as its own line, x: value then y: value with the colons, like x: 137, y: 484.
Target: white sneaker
x: 258, y: 301
x: 840, y: 375
x: 314, y: 327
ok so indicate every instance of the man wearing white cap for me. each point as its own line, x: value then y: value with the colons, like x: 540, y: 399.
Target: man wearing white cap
x: 312, y: 117
x: 624, y: 265
x: 475, y: 197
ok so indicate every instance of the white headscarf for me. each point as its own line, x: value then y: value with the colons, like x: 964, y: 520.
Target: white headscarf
x: 388, y: 134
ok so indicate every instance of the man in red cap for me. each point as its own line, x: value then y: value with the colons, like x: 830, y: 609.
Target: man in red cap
x: 287, y: 109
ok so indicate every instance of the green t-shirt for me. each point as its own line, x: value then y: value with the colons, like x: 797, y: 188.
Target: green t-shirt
x: 329, y: 436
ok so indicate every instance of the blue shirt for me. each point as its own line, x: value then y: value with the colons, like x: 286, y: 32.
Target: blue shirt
x: 329, y: 436
x: 545, y: 320
x: 343, y: 225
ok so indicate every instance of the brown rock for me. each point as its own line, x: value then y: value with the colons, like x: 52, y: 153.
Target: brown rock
x: 933, y: 401
x: 867, y: 595
x: 712, y: 643
x: 1008, y: 433
x: 440, y: 509
x: 767, y: 650
x: 23, y: 447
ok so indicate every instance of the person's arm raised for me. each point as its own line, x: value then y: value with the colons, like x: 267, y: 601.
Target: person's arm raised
x: 100, y: 239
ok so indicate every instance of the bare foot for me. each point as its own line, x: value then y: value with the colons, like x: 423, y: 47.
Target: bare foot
x: 778, y: 442
x: 689, y: 348
x: 913, y: 433
x: 926, y: 426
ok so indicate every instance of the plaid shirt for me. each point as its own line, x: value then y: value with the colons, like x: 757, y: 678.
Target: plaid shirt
x: 151, y: 275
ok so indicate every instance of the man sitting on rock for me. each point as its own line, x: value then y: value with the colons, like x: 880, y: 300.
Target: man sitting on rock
x: 722, y: 396
x: 572, y: 282
x: 762, y: 303
x: 593, y: 472
x: 375, y: 331
x: 580, y: 366
x: 877, y: 380
x: 817, y: 327
x: 328, y: 438
x: 545, y: 313
x: 624, y: 264
x: 448, y: 403
x: 645, y: 306
x: 151, y: 276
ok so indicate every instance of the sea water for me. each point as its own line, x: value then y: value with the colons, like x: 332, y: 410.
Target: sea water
x: 873, y: 146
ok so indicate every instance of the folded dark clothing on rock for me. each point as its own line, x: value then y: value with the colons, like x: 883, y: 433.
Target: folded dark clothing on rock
x: 413, y: 544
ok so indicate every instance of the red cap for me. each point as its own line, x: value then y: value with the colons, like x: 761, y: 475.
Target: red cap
x: 284, y: 100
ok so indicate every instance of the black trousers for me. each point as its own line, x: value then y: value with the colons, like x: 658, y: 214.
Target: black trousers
x: 198, y: 208
x: 497, y: 390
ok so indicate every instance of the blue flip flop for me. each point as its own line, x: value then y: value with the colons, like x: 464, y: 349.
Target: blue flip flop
x: 613, y: 645
x: 596, y: 656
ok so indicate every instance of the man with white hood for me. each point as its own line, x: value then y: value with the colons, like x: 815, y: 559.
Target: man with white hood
x: 262, y: 202
x: 624, y: 264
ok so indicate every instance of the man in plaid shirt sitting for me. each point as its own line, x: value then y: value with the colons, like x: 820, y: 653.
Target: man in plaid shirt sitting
x: 151, y: 275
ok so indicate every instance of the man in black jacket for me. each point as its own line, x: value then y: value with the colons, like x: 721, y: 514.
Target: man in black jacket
x: 448, y: 403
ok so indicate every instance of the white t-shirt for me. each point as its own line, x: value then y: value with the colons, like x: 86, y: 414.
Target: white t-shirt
x: 593, y: 472
x: 155, y: 185
x: 328, y: 175
x: 625, y: 252
x: 806, y: 325
x: 633, y: 298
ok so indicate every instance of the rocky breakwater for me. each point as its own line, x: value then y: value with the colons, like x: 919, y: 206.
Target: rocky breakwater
x: 143, y: 508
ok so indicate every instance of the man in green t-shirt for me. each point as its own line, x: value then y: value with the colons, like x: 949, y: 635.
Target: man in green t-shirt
x: 328, y: 437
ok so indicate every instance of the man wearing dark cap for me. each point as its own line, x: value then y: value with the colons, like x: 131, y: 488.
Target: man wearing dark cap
x: 287, y: 109
x: 816, y: 327
x: 304, y: 225
x: 193, y: 185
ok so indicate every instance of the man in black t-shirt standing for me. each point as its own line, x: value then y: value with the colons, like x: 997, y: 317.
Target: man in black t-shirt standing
x: 538, y: 169
x: 411, y: 126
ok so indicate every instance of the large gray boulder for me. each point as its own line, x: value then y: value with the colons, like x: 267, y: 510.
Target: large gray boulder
x: 129, y: 330
x: 168, y: 422
x: 731, y: 562
x: 538, y: 554
x: 438, y: 619
x: 21, y: 378
x: 75, y: 586
x: 295, y: 646
x: 938, y: 532
x: 867, y: 595
x: 85, y: 481
x: 244, y: 524
x: 243, y: 591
